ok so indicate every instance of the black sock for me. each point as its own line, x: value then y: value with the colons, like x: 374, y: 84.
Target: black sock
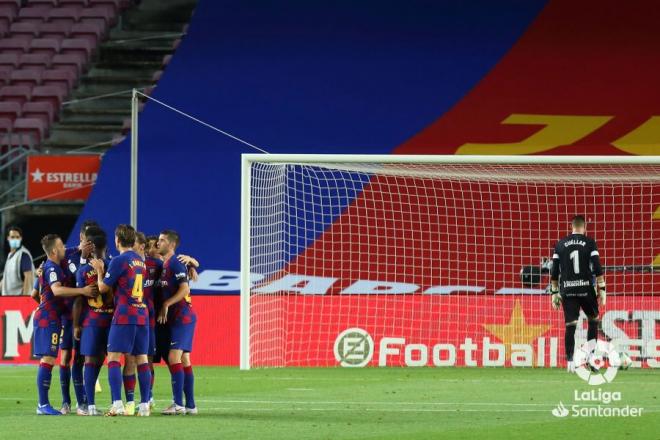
x: 569, y: 341
x: 592, y: 332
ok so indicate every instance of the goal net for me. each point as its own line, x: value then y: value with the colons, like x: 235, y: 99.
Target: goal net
x: 439, y: 261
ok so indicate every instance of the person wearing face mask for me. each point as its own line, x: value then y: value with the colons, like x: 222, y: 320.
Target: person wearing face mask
x: 18, y: 276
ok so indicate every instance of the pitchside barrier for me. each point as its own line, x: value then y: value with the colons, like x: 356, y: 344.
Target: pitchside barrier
x: 480, y: 342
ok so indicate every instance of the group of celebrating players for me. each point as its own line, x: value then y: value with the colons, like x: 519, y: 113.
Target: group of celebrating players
x: 136, y: 305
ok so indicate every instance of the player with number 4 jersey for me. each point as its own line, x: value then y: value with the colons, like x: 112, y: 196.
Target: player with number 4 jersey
x: 129, y: 331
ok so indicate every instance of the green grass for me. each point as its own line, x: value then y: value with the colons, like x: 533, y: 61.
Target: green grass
x: 386, y: 403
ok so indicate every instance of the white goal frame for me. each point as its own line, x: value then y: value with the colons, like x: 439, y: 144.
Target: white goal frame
x: 310, y: 159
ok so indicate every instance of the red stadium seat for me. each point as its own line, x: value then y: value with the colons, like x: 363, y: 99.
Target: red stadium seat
x: 6, y: 126
x: 76, y: 3
x: 33, y: 15
x: 20, y: 94
x: 72, y: 62
x: 35, y: 60
x: 42, y: 3
x: 39, y: 110
x: 92, y: 32
x: 10, y: 8
x: 55, y: 30
x: 18, y: 45
x: 9, y: 60
x: 30, y: 29
x: 4, y: 27
x: 65, y: 15
x: 10, y: 110
x: 101, y: 12
x: 77, y: 46
x: 53, y: 94
x: 58, y: 77
x: 15, y: 141
x: 34, y: 127
x: 26, y: 77
x: 48, y: 46
x: 4, y: 76
x: 114, y: 4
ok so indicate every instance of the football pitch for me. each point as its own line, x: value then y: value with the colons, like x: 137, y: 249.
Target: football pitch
x: 370, y: 403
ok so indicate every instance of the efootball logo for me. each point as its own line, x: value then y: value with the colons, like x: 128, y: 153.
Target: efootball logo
x: 354, y: 347
x: 590, y: 358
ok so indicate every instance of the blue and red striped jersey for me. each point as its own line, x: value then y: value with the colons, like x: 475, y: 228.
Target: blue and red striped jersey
x: 50, y: 307
x: 152, y: 287
x: 126, y: 275
x: 174, y: 274
x: 98, y: 311
x: 68, y: 281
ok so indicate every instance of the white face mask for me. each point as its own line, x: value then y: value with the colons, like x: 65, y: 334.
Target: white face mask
x: 14, y: 243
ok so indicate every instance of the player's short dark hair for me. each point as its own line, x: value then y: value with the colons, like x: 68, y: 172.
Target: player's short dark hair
x: 152, y: 238
x: 94, y: 231
x: 15, y: 228
x: 48, y: 242
x: 172, y: 236
x: 125, y: 235
x: 99, y: 241
x: 578, y: 221
x: 88, y: 224
x: 140, y: 238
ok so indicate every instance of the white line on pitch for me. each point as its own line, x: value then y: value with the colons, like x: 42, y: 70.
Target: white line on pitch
x: 396, y: 410
x: 421, y: 404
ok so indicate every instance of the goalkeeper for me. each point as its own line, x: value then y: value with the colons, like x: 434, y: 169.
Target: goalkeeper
x: 576, y: 259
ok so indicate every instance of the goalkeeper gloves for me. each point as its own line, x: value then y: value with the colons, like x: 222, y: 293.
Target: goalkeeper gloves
x: 556, y: 299
x: 602, y: 294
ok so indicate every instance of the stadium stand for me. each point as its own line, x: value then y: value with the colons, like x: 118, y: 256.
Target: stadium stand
x: 57, y: 57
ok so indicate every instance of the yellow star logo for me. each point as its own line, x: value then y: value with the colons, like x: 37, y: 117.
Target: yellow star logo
x: 517, y: 331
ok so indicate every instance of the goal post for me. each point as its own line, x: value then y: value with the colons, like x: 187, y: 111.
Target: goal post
x: 425, y: 260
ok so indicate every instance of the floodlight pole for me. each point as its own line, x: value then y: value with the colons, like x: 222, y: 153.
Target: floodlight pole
x: 134, y: 157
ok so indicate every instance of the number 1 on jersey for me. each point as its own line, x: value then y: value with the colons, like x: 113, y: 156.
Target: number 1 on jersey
x: 575, y: 256
x: 137, y: 288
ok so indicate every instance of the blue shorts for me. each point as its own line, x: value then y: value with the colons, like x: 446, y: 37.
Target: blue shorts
x: 181, y: 336
x: 152, y: 341
x: 94, y: 340
x: 162, y: 333
x: 46, y: 340
x: 128, y: 339
x: 66, y: 337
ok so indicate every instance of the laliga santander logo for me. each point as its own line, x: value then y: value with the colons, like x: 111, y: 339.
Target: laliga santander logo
x: 592, y: 353
x: 560, y: 411
x: 354, y: 347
